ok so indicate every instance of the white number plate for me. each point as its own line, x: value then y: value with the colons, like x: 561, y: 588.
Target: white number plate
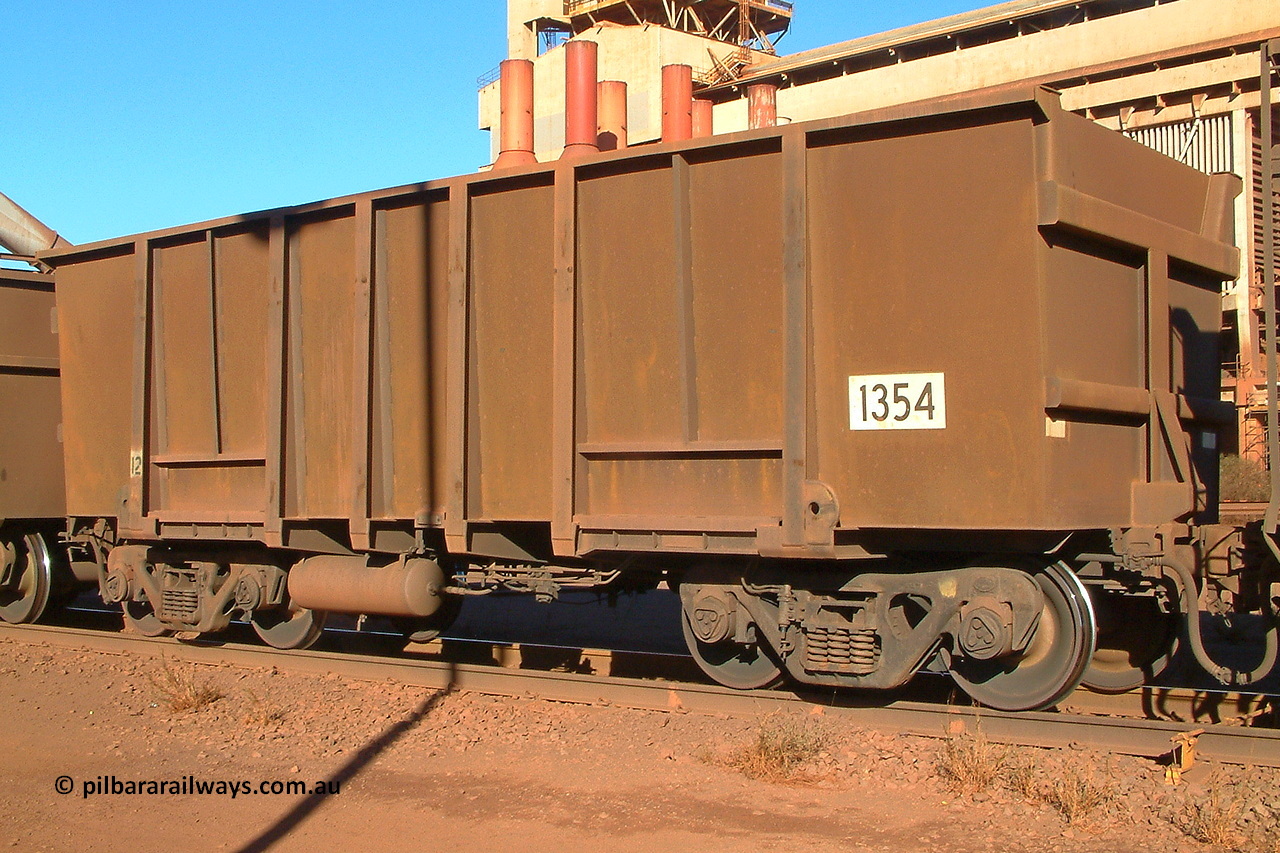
x: 898, y: 401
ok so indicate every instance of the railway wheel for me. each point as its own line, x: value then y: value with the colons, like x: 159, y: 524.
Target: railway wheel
x: 742, y: 666
x: 1054, y: 661
x: 141, y: 618
x: 1136, y: 641
x: 733, y: 664
x: 289, y: 629
x: 26, y: 596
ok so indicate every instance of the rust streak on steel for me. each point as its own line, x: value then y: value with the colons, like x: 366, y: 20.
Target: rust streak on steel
x: 580, y: 105
x: 762, y: 106
x: 1148, y: 738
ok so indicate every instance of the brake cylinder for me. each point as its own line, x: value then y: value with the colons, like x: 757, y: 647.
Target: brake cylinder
x: 408, y: 587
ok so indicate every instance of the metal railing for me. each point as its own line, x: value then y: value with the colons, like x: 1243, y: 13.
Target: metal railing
x: 573, y: 7
x: 489, y: 77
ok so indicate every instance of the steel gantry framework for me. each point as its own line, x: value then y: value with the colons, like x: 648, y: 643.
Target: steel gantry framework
x: 754, y: 24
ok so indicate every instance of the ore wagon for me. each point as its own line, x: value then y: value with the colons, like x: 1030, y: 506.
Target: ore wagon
x: 933, y: 386
x: 31, y: 476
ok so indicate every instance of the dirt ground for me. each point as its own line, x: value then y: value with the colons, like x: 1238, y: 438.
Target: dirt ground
x: 424, y: 771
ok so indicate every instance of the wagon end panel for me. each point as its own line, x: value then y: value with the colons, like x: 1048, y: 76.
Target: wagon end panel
x: 925, y: 306
x: 680, y: 338
x: 1135, y: 247
x: 1095, y: 337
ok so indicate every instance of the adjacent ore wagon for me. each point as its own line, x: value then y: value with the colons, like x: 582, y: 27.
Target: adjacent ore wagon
x: 32, y: 507
x: 929, y: 387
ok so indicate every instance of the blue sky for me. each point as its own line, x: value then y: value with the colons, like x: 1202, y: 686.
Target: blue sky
x: 131, y: 116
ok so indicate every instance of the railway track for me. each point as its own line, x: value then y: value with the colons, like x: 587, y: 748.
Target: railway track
x: 1241, y: 512
x: 1175, y: 702
x: 1084, y: 726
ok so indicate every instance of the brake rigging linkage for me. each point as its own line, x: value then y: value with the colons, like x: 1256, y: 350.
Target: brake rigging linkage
x: 1189, y: 594
x: 1191, y: 607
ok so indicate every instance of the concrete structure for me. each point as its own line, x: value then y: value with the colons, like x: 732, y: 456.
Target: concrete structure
x: 1178, y: 75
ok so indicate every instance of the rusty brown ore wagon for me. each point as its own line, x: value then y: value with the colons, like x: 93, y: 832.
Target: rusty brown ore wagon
x: 32, y: 504
x: 926, y: 387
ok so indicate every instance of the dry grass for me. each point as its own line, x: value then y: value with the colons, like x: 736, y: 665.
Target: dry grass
x: 260, y: 714
x: 182, y: 691
x: 782, y: 746
x: 1212, y: 819
x: 1022, y: 777
x: 1080, y: 794
x: 970, y: 763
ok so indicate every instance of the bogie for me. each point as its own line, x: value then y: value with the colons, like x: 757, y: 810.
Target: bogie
x: 1015, y: 637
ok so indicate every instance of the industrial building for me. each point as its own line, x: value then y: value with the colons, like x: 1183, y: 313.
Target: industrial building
x: 1181, y: 76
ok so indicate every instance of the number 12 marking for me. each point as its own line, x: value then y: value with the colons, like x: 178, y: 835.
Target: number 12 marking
x: 898, y: 401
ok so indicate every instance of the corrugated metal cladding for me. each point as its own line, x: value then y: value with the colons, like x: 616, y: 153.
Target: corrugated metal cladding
x: 1204, y: 143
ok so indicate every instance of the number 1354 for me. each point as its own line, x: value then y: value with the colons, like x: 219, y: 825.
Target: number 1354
x: 898, y: 401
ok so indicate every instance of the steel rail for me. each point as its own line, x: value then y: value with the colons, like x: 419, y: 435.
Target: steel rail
x: 1244, y: 510
x: 1148, y: 738
x: 1177, y: 705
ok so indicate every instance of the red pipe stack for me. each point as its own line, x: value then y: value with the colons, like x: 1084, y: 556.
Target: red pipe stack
x: 516, y: 120
x: 677, y: 103
x: 611, y: 134
x: 580, y: 106
x: 702, y: 120
x: 762, y: 105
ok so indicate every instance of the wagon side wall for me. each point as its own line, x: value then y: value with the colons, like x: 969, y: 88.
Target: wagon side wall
x: 661, y: 349
x: 922, y: 264
x: 263, y: 378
